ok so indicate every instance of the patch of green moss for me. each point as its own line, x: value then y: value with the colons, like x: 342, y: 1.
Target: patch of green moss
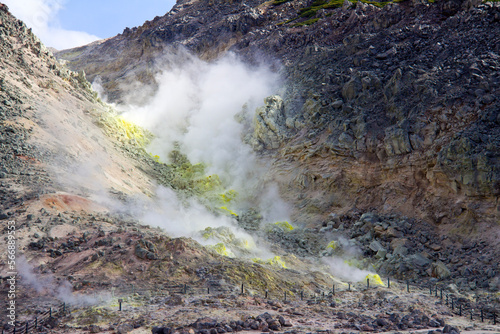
x: 306, y: 23
x: 318, y: 5
x: 280, y: 2
x: 288, y: 21
x: 311, y: 11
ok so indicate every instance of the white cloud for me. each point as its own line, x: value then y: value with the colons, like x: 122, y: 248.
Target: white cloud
x: 41, y: 16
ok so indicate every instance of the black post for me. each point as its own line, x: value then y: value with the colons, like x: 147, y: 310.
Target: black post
x: 301, y: 295
x: 27, y: 326
x: 471, y: 315
x: 388, y: 282
x: 407, y: 286
x: 441, y: 294
x: 367, y: 283
x: 285, y: 295
x: 430, y: 289
x: 446, y: 303
x: 452, y: 304
x: 50, y: 312
x: 436, y: 291
x: 242, y: 288
x: 208, y: 290
x: 266, y: 293
x: 64, y: 308
x: 14, y: 332
x: 120, y: 302
x: 333, y: 290
x: 460, y: 309
x: 185, y: 289
x: 482, y: 317
x: 494, y: 318
x: 349, y: 286
x: 36, y: 323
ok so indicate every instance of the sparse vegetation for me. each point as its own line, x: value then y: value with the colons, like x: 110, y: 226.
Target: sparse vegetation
x: 306, y: 23
x: 280, y: 2
x: 317, y: 5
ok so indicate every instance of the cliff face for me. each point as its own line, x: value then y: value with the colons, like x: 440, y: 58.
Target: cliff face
x: 392, y: 108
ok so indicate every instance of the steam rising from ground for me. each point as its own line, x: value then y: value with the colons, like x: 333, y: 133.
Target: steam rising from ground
x: 196, y: 105
x: 47, y: 285
x: 339, y: 268
x: 206, y: 109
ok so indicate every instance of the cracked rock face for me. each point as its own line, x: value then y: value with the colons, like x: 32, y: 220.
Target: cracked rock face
x: 269, y: 124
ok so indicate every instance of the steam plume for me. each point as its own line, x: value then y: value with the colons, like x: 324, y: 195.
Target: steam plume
x: 206, y: 108
x: 62, y: 291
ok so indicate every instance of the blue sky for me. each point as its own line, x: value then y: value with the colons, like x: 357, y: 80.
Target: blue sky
x: 65, y: 24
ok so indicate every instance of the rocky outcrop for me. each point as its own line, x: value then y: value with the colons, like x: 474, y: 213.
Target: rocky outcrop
x: 269, y: 124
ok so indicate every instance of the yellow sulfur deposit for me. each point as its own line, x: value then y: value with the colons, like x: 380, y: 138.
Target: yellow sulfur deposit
x: 332, y: 245
x: 375, y: 280
x: 285, y: 226
x: 275, y: 261
x: 228, y: 196
x: 220, y: 248
x: 225, y: 209
x: 123, y: 130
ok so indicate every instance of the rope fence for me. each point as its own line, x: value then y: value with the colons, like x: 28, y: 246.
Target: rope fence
x: 37, y: 324
x: 479, y: 309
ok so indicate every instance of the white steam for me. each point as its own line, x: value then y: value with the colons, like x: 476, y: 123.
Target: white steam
x: 339, y: 268
x: 205, y: 109
x: 97, y: 87
x: 62, y: 291
x: 189, y: 219
x: 181, y: 219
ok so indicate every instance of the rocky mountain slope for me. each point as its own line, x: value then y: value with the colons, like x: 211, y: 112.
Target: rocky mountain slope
x: 344, y: 144
x: 69, y: 168
x: 388, y: 106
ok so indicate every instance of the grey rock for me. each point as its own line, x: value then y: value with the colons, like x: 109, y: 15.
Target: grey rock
x: 419, y: 260
x: 381, y: 254
x: 440, y: 270
x: 95, y: 329
x: 400, y: 251
x: 376, y: 246
x: 250, y: 220
x: 396, y: 141
x: 370, y: 217
x: 269, y: 124
x: 124, y: 328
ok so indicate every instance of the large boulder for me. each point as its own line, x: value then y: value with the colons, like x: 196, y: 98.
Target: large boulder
x: 440, y: 270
